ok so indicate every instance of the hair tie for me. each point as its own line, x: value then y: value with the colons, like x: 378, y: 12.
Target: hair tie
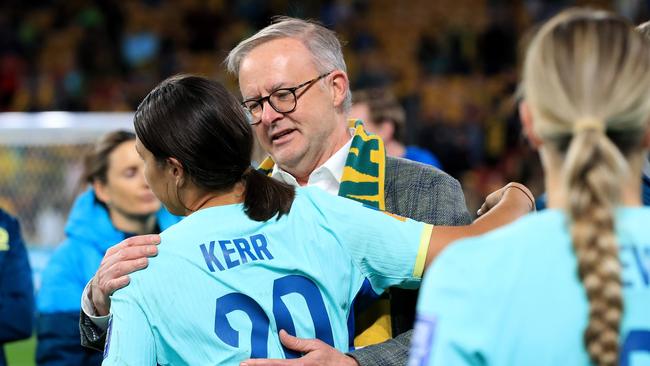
x: 248, y: 171
x: 588, y: 124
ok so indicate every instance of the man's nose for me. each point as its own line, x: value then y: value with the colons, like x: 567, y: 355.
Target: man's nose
x: 269, y: 114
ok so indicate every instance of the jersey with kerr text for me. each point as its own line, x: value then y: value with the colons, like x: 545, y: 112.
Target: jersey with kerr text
x: 513, y: 297
x: 222, y: 285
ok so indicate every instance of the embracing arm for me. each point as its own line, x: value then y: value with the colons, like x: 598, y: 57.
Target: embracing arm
x: 119, y: 261
x: 393, y: 352
x: 500, y: 208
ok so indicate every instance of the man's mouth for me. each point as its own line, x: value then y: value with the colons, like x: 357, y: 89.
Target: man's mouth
x: 279, y: 136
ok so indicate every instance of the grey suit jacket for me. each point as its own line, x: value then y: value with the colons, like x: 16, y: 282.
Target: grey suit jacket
x: 426, y: 194
x: 413, y: 190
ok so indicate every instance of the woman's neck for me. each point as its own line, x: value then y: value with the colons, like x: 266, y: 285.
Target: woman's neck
x: 129, y: 223
x: 201, y: 199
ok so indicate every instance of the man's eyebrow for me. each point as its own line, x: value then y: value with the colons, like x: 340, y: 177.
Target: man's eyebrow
x: 277, y: 86
x: 273, y: 88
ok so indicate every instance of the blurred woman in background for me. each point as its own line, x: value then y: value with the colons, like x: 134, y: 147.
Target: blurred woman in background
x: 117, y: 204
x: 569, y: 285
x: 16, y: 288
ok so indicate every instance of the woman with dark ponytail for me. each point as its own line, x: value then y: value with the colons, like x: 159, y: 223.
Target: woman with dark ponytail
x: 254, y: 256
x: 568, y: 286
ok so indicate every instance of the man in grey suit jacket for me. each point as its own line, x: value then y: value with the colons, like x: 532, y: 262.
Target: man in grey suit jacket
x: 309, y: 139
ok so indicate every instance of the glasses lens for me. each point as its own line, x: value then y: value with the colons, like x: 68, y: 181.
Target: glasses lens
x: 283, y: 100
x: 253, y: 108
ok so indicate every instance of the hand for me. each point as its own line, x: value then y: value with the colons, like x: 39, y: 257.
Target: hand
x: 520, y: 194
x: 120, y: 260
x: 316, y: 353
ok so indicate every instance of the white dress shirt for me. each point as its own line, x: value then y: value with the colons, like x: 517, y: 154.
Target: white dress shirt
x: 326, y: 177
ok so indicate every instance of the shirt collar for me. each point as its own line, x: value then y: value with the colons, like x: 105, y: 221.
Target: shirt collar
x: 646, y: 166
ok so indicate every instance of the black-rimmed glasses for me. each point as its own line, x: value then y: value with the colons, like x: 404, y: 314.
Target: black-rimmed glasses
x: 283, y: 100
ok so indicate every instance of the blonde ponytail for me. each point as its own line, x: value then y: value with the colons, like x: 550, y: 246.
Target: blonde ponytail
x: 593, y: 170
x: 587, y: 81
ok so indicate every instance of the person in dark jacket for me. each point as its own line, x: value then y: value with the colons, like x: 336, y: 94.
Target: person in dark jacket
x: 16, y: 288
x: 118, y: 204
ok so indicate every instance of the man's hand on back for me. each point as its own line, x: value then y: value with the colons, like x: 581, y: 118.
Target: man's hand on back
x: 316, y: 353
x: 119, y: 261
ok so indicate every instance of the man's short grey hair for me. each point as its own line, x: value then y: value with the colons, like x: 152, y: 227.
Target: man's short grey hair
x: 321, y: 42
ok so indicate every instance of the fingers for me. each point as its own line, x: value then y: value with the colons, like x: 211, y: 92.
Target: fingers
x: 299, y: 344
x: 269, y: 362
x: 119, y: 261
x: 134, y: 241
x: 522, y: 189
x: 136, y: 247
x: 111, y: 277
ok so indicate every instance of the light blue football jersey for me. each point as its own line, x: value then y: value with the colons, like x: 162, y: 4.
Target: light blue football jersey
x: 513, y: 297
x: 222, y: 285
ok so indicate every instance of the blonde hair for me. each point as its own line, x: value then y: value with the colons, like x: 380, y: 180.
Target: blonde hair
x: 587, y: 82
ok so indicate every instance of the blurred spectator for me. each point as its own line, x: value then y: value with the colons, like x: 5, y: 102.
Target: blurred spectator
x: 16, y: 289
x: 384, y: 116
x: 118, y: 204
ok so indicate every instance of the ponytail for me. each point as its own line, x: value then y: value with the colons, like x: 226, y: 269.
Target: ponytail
x: 266, y: 197
x: 593, y: 170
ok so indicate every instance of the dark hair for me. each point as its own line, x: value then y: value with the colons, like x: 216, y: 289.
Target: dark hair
x: 199, y: 123
x: 96, y: 161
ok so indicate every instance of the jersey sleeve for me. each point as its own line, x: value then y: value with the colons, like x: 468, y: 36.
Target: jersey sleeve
x: 389, y: 250
x: 452, y: 314
x: 129, y: 339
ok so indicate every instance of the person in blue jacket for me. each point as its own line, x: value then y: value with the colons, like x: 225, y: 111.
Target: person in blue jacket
x: 16, y: 288
x: 568, y: 285
x: 384, y: 116
x: 118, y: 204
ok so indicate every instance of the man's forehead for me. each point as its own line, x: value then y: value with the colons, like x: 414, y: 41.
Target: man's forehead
x: 271, y: 66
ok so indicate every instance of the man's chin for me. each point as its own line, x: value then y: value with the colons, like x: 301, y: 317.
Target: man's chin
x: 286, y: 157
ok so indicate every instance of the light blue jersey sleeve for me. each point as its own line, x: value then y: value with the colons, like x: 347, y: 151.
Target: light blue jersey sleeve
x: 129, y: 340
x: 449, y: 328
x: 389, y: 250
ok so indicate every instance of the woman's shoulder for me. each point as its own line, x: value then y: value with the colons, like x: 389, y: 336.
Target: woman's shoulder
x: 482, y: 256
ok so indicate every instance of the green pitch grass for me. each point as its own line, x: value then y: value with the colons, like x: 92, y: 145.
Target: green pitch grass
x: 21, y: 353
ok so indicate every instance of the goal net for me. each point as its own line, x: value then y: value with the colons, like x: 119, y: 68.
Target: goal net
x: 41, y: 163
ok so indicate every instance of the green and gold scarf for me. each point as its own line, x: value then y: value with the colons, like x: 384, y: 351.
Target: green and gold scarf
x: 363, y: 180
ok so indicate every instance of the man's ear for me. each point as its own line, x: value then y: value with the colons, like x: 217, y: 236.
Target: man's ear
x: 176, y: 170
x: 101, y: 192
x: 340, y: 87
x: 526, y: 118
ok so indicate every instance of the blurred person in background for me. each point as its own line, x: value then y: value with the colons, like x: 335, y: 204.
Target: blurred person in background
x: 118, y: 204
x: 569, y: 285
x: 382, y: 115
x: 16, y: 288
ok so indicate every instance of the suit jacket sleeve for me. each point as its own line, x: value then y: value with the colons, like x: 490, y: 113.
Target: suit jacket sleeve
x: 424, y: 193
x: 91, y: 335
x: 393, y: 352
